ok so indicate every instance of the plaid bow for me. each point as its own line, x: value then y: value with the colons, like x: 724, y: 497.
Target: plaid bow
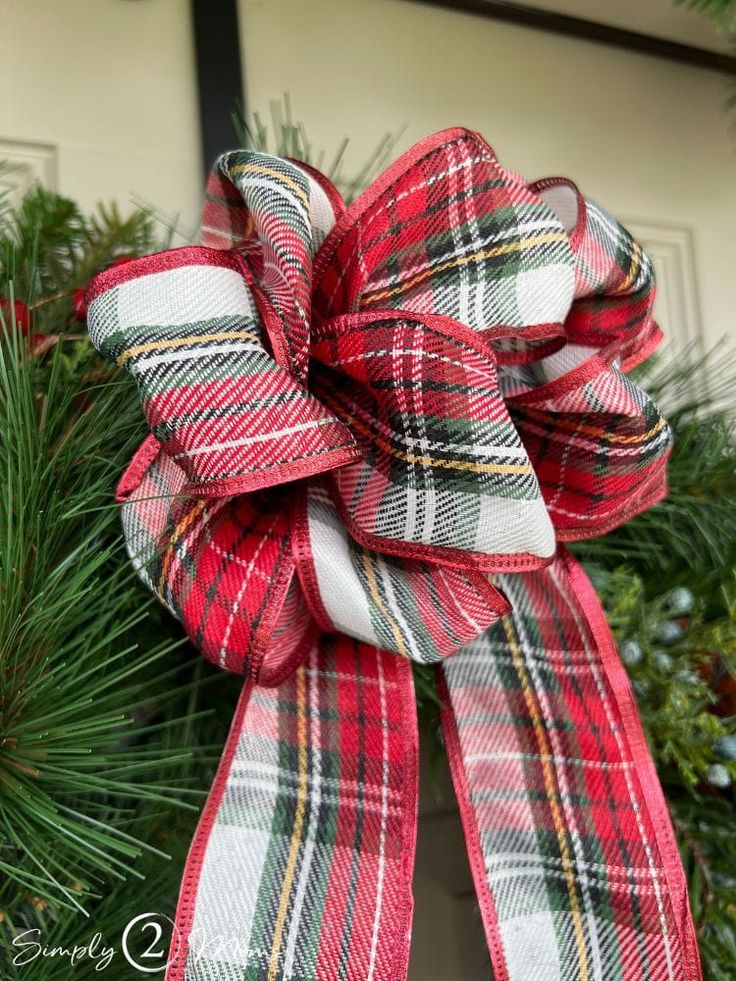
x: 371, y: 429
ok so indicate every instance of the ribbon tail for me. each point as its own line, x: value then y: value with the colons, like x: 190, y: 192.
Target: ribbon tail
x: 571, y: 846
x: 302, y: 862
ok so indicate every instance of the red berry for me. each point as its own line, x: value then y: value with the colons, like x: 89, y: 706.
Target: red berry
x: 79, y: 306
x: 19, y: 309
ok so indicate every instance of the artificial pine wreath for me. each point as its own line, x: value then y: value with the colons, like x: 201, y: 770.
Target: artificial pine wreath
x: 94, y: 695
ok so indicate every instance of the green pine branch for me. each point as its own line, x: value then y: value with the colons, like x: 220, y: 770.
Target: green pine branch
x: 283, y: 136
x: 49, y: 249
x: 107, y: 732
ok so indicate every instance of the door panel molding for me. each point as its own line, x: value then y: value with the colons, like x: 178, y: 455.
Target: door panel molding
x: 25, y: 164
x: 672, y: 250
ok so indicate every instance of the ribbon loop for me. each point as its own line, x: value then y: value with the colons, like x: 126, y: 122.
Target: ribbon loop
x: 280, y: 212
x: 444, y: 476
x: 188, y: 328
x: 448, y: 231
x: 614, y: 277
x: 419, y: 610
x: 598, y: 442
x: 224, y: 567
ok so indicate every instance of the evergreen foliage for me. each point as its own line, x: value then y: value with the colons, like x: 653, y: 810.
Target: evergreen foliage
x: 668, y: 582
x: 103, y: 753
x: 283, y: 136
x: 723, y: 12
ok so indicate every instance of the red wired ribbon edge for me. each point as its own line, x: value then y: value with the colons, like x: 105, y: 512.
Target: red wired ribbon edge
x: 371, y: 427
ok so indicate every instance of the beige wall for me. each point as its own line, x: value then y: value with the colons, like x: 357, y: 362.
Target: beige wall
x: 646, y: 137
x: 99, y: 97
x: 108, y: 87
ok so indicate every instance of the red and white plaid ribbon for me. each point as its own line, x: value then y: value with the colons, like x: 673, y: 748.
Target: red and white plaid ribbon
x: 371, y: 430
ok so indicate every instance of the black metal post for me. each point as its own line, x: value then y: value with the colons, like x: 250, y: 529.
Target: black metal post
x: 220, y: 86
x: 589, y: 30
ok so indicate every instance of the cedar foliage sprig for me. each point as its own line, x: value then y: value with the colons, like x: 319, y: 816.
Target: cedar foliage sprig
x: 667, y: 580
x: 674, y: 661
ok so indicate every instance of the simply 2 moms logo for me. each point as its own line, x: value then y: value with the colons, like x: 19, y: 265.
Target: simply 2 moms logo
x: 145, y: 944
